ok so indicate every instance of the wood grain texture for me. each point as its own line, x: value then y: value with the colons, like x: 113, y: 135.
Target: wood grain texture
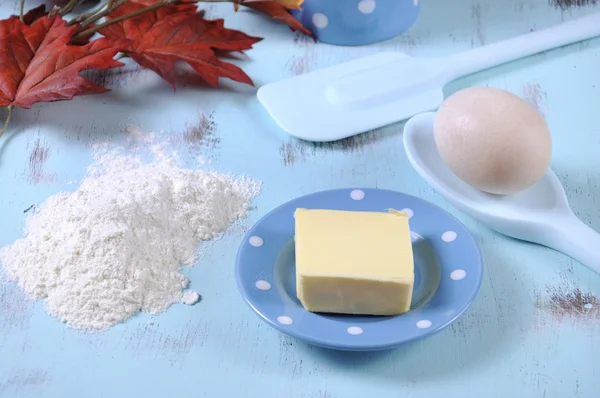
x: 535, y: 94
x: 566, y: 4
x: 532, y: 331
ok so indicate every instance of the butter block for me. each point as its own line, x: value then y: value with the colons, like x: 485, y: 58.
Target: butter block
x: 351, y: 262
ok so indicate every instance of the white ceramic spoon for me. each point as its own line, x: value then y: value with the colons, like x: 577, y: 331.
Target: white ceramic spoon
x: 540, y: 214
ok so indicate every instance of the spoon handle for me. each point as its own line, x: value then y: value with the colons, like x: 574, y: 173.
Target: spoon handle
x: 578, y: 241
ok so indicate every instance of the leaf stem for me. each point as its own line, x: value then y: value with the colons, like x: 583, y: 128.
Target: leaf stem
x: 103, y: 11
x: 107, y: 8
x: 22, y: 11
x: 7, y: 121
x: 110, y: 7
x: 88, y: 32
x: 83, y: 17
x: 70, y: 6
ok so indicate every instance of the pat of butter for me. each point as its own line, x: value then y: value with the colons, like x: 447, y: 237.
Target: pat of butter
x: 354, y: 262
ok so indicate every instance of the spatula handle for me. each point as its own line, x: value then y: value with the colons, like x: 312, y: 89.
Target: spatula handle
x: 495, y: 54
x: 578, y: 241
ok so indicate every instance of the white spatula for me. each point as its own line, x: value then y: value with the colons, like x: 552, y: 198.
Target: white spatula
x: 360, y: 95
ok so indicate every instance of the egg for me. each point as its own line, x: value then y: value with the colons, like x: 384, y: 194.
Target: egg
x: 493, y: 140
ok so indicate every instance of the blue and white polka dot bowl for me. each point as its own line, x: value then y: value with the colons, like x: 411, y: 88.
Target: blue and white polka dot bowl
x: 448, y: 273
x: 357, y: 22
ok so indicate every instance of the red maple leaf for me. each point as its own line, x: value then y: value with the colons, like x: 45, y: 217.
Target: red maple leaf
x: 39, y: 64
x: 35, y: 14
x: 280, y: 12
x: 172, y: 33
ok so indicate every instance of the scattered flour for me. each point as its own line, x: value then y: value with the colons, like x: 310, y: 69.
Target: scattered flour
x: 115, y: 246
x: 190, y: 297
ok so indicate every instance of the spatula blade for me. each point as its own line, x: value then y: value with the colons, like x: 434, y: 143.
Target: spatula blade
x: 348, y: 99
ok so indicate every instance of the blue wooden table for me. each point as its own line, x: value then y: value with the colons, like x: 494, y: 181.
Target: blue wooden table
x: 534, y: 330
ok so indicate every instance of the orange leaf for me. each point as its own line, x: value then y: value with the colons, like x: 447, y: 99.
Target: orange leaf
x: 39, y: 64
x: 279, y: 10
x: 172, y: 33
x: 289, y: 4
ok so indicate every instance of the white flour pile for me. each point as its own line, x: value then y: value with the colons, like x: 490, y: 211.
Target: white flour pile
x: 115, y: 246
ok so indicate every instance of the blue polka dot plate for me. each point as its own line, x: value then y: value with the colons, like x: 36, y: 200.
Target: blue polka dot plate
x: 448, y: 273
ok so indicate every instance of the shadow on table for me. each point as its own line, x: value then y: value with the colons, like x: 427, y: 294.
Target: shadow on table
x: 139, y: 98
x: 488, y: 330
x: 82, y: 120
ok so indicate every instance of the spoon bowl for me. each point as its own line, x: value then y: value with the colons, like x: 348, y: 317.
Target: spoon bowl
x: 540, y: 214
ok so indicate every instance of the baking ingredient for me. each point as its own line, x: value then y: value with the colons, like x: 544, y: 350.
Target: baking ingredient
x: 42, y: 55
x: 493, y: 140
x: 115, y: 246
x: 38, y: 64
x: 354, y: 262
x: 190, y: 297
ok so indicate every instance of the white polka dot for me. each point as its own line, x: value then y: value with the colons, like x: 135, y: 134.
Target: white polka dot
x: 256, y: 241
x: 449, y: 236
x: 320, y: 20
x: 588, y: 306
x: 424, y: 324
x: 354, y: 330
x: 357, y: 194
x: 366, y: 6
x: 408, y: 212
x: 263, y: 285
x: 415, y: 2
x: 458, y: 274
x: 284, y: 320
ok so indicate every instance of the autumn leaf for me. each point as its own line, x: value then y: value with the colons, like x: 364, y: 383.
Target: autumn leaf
x: 289, y: 4
x: 34, y: 14
x: 172, y: 33
x: 38, y: 64
x: 279, y: 10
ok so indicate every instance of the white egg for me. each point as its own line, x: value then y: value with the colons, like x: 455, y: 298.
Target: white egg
x: 493, y: 140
